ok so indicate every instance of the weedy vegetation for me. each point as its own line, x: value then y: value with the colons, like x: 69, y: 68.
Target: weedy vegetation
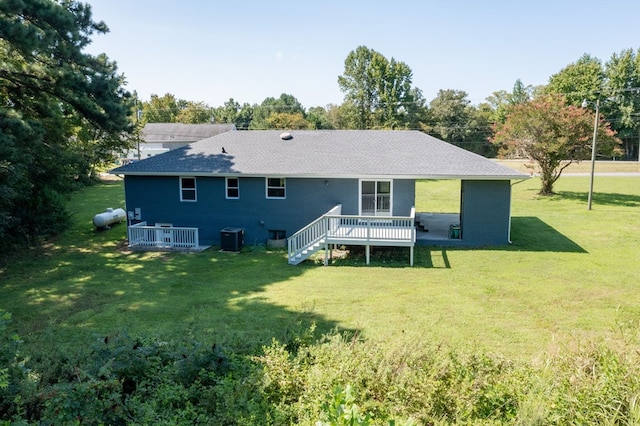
x: 543, y: 331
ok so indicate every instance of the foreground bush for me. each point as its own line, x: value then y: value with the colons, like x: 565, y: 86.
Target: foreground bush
x: 333, y: 380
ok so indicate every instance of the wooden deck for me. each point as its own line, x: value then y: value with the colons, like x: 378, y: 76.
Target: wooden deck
x: 333, y: 228
x: 375, y: 234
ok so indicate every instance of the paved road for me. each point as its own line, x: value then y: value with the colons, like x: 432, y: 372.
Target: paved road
x: 621, y: 174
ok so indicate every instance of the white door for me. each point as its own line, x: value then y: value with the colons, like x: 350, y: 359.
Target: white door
x: 375, y: 198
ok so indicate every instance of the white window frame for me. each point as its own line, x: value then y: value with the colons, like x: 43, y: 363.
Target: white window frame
x: 194, y: 189
x: 228, y: 187
x: 283, y: 187
x: 376, y: 211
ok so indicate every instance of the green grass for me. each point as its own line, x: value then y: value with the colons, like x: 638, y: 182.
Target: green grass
x: 569, y: 276
x: 581, y: 167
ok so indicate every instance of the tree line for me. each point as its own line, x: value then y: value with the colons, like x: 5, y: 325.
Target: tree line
x: 379, y: 94
x: 64, y: 114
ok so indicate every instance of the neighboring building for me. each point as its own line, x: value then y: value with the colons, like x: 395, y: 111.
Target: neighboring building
x: 158, y: 138
x: 272, y: 184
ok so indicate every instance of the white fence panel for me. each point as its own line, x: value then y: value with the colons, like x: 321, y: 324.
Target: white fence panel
x: 141, y: 235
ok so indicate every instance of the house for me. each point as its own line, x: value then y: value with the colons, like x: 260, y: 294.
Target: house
x: 158, y: 138
x: 315, y: 188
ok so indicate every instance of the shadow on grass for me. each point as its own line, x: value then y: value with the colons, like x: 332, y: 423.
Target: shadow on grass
x: 86, y: 284
x: 212, y: 297
x: 388, y: 257
x: 527, y: 233
x: 602, y: 198
x: 532, y: 234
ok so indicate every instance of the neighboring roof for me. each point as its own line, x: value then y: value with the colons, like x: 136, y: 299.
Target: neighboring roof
x: 180, y: 132
x: 323, y: 153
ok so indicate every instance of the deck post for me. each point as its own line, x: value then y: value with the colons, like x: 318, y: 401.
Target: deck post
x: 411, y: 255
x: 367, y: 251
x: 326, y: 253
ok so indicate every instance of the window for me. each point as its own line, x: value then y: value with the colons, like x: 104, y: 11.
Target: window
x: 233, y: 188
x: 275, y: 188
x: 375, y: 197
x: 187, y: 189
x: 277, y: 234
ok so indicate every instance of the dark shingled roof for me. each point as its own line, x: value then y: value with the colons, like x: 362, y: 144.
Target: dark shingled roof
x: 323, y: 153
x: 180, y: 132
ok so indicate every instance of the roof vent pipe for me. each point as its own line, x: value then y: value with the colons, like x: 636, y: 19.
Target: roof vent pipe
x: 286, y: 136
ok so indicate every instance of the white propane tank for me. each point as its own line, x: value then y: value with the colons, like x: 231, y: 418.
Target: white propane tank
x: 109, y: 217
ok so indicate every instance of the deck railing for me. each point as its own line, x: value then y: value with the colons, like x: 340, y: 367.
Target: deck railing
x: 334, y: 228
x: 372, y: 228
x: 311, y: 234
x: 170, y: 237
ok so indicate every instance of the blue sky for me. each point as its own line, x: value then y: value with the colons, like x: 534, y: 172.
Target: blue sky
x: 211, y: 51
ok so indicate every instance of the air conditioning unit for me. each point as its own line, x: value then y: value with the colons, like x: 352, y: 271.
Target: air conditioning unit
x: 231, y: 239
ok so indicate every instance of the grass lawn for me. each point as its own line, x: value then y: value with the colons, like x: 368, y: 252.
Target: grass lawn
x: 570, y: 275
x: 581, y: 167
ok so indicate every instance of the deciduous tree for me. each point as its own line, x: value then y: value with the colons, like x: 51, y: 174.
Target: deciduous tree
x: 285, y: 120
x: 161, y: 109
x: 583, y: 78
x: 378, y: 92
x: 622, y: 92
x: 284, y: 104
x: 553, y: 134
x: 195, y: 113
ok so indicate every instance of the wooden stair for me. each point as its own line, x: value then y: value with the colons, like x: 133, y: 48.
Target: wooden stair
x: 304, y: 254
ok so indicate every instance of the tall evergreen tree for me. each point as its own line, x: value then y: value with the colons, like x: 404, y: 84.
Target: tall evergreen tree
x: 61, y: 110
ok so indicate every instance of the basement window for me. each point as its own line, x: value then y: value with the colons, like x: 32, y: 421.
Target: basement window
x: 188, y: 189
x: 277, y: 234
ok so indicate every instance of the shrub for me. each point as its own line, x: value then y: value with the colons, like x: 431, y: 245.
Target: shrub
x: 336, y: 379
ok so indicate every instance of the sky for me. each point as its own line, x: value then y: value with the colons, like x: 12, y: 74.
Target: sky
x: 210, y: 51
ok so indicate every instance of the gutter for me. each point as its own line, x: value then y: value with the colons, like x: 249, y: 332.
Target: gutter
x: 518, y: 177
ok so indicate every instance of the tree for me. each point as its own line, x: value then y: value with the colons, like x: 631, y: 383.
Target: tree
x: 502, y: 100
x: 622, y: 76
x: 233, y: 112
x: 286, y: 120
x: 448, y: 115
x: 553, y: 134
x: 584, y: 78
x: 161, y: 109
x: 226, y: 113
x: 615, y: 84
x: 244, y: 117
x: 195, y: 113
x: 318, y: 118
x: 338, y: 116
x: 452, y: 118
x: 61, y: 110
x: 378, y: 92
x: 284, y: 104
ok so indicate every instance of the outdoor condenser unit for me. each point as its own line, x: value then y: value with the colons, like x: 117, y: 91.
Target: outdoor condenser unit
x: 231, y: 239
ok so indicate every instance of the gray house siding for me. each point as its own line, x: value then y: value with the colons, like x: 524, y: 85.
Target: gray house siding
x: 404, y: 196
x: 485, y: 212
x: 158, y: 198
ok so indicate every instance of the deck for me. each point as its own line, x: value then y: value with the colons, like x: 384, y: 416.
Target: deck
x: 376, y: 232
x: 334, y: 228
x: 163, y: 238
